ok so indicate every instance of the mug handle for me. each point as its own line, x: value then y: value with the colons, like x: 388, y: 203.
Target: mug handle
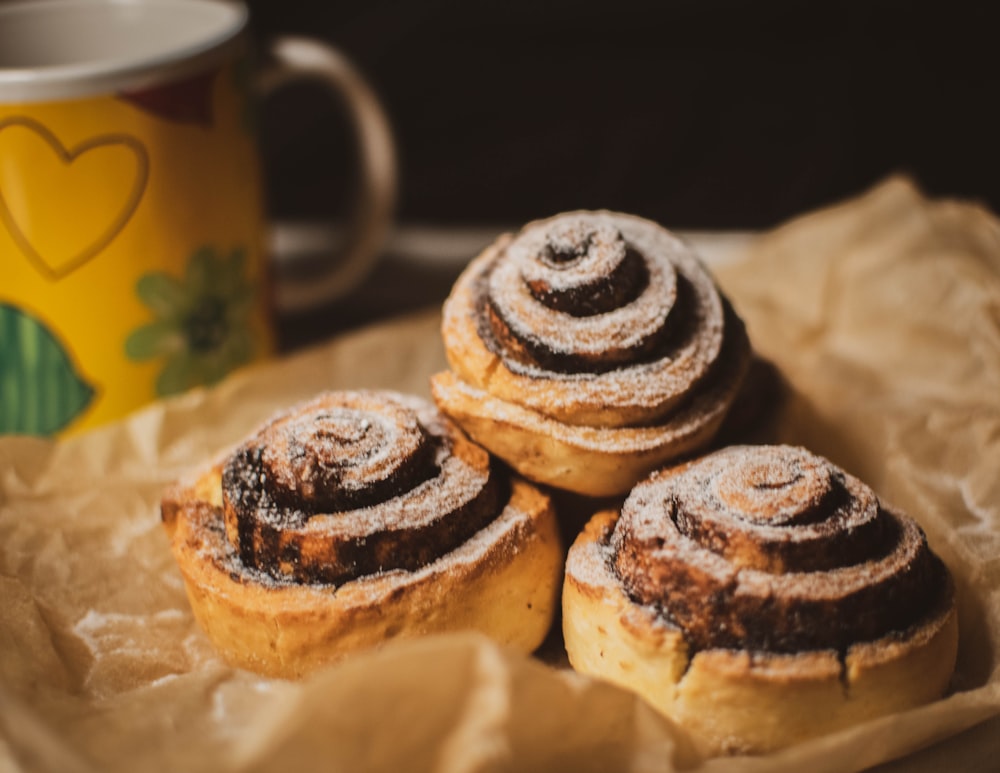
x: 296, y: 58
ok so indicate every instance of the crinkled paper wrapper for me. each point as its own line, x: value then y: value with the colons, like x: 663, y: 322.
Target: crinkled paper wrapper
x: 883, y: 314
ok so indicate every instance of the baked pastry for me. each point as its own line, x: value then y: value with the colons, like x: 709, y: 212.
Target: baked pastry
x: 760, y: 596
x: 588, y: 350
x: 355, y: 518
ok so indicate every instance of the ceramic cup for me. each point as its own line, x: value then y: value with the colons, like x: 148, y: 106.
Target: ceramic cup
x: 132, y: 237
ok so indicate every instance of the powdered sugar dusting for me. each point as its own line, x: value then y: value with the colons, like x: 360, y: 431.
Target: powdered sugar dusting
x: 566, y: 255
x: 719, y: 571
x: 500, y: 537
x: 621, y: 328
x: 420, y: 484
x: 455, y: 485
x: 630, y: 393
x: 618, y: 330
x: 777, y: 495
x: 348, y: 440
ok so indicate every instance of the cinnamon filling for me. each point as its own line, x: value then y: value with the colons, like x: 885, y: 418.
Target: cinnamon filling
x: 577, y: 297
x: 772, y: 548
x: 580, y: 267
x: 356, y: 483
x: 589, y: 347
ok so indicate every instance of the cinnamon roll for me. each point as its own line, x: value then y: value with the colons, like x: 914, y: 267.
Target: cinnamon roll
x: 589, y: 349
x: 760, y: 596
x: 355, y: 518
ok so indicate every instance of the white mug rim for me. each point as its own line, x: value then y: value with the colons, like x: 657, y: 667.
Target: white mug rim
x: 20, y: 85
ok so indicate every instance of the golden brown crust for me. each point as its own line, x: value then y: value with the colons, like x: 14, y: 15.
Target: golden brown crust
x: 652, y: 377
x: 736, y: 698
x: 502, y: 581
x: 596, y: 461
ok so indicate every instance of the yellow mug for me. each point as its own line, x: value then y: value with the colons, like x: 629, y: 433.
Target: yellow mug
x: 133, y: 254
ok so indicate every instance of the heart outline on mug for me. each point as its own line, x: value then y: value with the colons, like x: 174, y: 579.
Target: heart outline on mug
x: 57, y: 270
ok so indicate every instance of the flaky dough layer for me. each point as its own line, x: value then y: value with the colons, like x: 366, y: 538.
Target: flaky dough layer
x: 596, y: 461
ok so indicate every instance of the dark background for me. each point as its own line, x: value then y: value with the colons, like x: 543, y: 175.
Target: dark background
x: 700, y: 114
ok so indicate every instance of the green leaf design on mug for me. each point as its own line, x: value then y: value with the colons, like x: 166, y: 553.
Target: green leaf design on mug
x: 200, y: 321
x: 40, y: 390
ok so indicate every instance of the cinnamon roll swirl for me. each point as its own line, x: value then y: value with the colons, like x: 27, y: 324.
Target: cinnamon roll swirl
x: 589, y: 349
x: 760, y: 596
x: 354, y: 518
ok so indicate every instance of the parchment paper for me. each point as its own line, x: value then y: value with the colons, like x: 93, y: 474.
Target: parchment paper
x: 883, y: 315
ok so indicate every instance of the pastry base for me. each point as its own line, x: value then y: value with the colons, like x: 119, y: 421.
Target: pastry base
x: 596, y: 461
x: 738, y: 702
x: 503, y: 582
